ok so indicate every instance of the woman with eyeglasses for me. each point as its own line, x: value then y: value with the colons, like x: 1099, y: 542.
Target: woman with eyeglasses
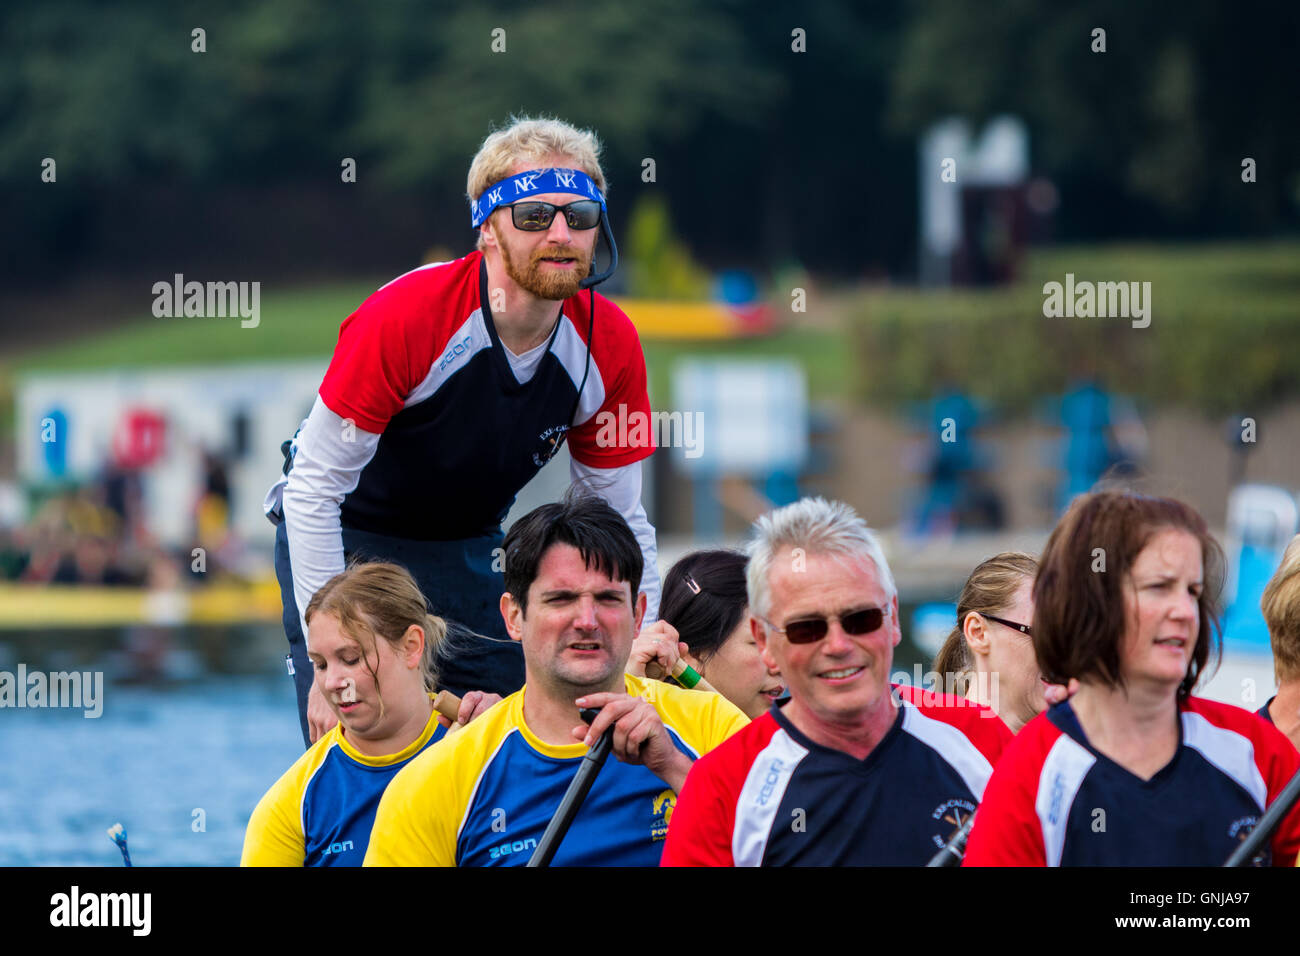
x: 988, y: 658
x: 704, y: 620
x: 1132, y: 770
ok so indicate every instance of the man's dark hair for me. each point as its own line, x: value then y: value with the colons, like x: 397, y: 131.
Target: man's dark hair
x: 583, y: 520
x: 705, y: 618
x: 1079, y: 609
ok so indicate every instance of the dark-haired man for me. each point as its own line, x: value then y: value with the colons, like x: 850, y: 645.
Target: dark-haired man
x: 573, y: 573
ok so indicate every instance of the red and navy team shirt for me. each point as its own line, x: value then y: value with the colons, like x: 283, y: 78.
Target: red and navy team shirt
x: 769, y: 796
x: 1055, y: 800
x: 421, y: 364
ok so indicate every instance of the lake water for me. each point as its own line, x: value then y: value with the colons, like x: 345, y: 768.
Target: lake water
x: 180, y: 767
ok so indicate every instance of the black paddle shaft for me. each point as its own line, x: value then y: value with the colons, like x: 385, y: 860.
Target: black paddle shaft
x: 1254, y: 844
x: 573, y: 797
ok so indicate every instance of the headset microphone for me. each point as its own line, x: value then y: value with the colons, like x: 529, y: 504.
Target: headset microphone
x: 605, y: 231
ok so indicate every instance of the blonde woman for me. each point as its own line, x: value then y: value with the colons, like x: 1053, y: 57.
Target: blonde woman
x: 989, y: 655
x: 1281, y: 607
x: 373, y: 648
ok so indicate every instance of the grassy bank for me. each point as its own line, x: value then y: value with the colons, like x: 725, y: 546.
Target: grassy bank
x: 1224, y: 333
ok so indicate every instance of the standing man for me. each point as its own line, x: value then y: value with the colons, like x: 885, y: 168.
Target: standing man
x: 450, y: 388
x: 850, y: 771
x: 484, y: 798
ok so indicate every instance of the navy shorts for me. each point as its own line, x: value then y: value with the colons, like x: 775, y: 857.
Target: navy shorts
x: 460, y: 585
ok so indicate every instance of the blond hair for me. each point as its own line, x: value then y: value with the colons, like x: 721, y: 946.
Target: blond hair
x: 380, y: 600
x: 1281, y: 607
x: 988, y: 590
x: 810, y: 526
x: 533, y: 140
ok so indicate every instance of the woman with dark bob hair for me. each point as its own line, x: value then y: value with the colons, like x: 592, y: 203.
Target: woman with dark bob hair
x: 1132, y: 770
x: 704, y: 620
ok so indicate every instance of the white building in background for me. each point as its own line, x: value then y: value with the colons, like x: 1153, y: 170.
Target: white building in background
x: 952, y: 161
x: 70, y: 424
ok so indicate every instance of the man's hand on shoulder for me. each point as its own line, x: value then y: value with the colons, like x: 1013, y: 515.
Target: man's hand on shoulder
x: 639, y: 735
x: 474, y: 704
x: 320, y: 716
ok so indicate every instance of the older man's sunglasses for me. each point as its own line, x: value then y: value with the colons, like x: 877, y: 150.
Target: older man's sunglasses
x: 856, y: 623
x: 535, y: 215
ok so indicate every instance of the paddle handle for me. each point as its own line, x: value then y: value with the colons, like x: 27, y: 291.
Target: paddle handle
x: 448, y: 704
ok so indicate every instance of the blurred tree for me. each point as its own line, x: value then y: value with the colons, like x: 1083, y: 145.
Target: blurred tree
x: 659, y: 264
x: 1148, y: 136
x: 764, y: 153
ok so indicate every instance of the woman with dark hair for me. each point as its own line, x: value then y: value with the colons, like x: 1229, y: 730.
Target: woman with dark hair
x: 1132, y: 770
x: 704, y: 619
x: 988, y: 657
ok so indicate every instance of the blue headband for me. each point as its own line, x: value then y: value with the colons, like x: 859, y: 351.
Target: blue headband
x: 532, y: 182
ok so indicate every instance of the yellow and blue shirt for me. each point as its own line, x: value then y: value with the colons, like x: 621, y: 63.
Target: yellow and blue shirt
x: 321, y: 811
x: 484, y: 796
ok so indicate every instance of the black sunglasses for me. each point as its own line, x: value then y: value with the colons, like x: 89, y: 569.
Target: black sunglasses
x: 814, y: 629
x: 1022, y: 628
x: 535, y: 215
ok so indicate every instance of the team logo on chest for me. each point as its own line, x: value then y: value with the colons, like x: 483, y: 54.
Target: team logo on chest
x: 550, y: 440
x: 951, y: 814
x: 663, y: 814
x: 1240, y: 829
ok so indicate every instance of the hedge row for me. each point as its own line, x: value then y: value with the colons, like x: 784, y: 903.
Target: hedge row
x: 1224, y: 332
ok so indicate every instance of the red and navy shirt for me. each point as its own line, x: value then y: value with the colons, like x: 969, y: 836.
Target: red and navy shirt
x: 421, y: 364
x: 769, y: 796
x: 1055, y: 800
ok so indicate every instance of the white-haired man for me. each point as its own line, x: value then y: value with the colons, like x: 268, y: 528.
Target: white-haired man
x: 851, y: 770
x: 448, y: 391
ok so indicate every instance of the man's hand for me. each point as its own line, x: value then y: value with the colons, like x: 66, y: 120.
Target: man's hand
x: 1055, y: 693
x: 320, y: 716
x: 655, y: 651
x: 474, y: 704
x: 640, y: 737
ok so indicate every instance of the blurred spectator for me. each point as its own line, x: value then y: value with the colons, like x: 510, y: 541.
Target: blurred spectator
x: 1104, y: 435
x: 93, y: 535
x: 957, y: 496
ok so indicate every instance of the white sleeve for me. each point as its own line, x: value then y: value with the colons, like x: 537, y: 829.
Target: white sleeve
x: 621, y: 487
x: 331, y: 452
